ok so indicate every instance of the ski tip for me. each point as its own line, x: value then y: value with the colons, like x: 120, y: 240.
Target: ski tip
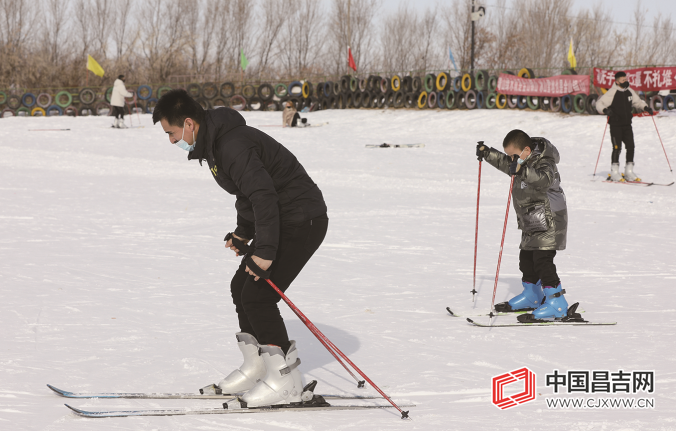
x: 55, y: 389
x: 470, y: 320
x: 449, y: 311
x: 78, y: 411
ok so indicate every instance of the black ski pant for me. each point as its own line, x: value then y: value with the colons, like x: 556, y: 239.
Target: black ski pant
x: 619, y: 134
x: 256, y: 301
x: 118, y: 111
x: 539, y: 265
x: 294, y: 121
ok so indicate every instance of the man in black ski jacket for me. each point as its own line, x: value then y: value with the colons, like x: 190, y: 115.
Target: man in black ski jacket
x: 281, y: 209
x: 617, y: 104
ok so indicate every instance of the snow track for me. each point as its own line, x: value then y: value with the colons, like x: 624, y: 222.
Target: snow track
x: 113, y: 274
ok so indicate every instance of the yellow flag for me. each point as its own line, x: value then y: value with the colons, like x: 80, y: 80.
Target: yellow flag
x: 94, y: 66
x: 571, y: 55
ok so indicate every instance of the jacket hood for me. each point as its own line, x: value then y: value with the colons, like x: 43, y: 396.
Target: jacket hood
x: 217, y: 122
x: 544, y: 148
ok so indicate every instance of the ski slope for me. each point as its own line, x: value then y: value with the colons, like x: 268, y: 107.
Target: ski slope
x: 114, y: 277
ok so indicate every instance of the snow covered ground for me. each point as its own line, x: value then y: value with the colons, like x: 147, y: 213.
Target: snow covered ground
x: 113, y: 274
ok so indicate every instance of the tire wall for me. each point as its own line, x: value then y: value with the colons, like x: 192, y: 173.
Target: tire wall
x: 434, y: 90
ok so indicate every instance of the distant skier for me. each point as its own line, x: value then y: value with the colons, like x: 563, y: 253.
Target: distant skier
x: 617, y: 104
x: 117, y: 101
x: 290, y: 116
x: 281, y: 209
x: 542, y: 216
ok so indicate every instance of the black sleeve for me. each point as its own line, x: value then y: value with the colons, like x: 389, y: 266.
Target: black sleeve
x: 245, y: 228
x: 247, y: 171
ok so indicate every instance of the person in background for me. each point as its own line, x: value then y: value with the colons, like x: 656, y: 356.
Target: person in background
x: 117, y: 102
x: 617, y: 104
x: 291, y: 116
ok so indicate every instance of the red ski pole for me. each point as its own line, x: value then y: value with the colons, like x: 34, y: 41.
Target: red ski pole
x: 502, y: 243
x: 476, y: 232
x: 325, y: 341
x: 663, y: 149
x: 602, y: 139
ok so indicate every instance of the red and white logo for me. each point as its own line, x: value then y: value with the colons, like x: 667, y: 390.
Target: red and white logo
x: 499, y: 382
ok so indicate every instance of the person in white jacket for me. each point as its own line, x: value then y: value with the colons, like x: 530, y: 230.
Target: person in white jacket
x: 117, y: 101
x: 617, y: 104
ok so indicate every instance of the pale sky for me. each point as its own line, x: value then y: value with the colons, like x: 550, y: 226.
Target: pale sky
x: 622, y: 10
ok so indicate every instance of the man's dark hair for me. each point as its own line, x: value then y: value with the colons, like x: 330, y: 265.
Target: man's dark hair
x: 177, y: 105
x: 120, y: 77
x: 619, y: 75
x: 517, y: 138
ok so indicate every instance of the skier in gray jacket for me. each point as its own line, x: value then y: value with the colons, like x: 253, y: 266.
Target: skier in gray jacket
x: 542, y: 216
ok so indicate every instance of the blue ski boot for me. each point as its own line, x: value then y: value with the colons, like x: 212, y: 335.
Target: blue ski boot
x: 554, y: 307
x: 528, y: 300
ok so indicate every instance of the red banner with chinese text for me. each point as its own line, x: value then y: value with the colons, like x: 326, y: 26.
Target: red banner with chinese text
x: 555, y: 86
x: 644, y: 79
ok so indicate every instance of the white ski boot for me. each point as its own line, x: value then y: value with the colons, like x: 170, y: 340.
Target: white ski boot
x: 252, y: 370
x: 121, y: 124
x: 629, y: 174
x: 116, y: 123
x: 615, y: 173
x: 282, y: 384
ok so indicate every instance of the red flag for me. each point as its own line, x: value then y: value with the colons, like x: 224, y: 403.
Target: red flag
x: 350, y: 59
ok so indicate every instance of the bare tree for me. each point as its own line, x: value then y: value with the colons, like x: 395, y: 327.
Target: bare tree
x: 362, y: 34
x: 396, y: 37
x: 303, y: 39
x: 274, y: 18
x: 163, y: 47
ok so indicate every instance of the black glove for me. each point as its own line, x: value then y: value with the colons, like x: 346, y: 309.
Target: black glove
x: 649, y: 110
x: 608, y: 112
x: 515, y: 167
x: 482, y: 151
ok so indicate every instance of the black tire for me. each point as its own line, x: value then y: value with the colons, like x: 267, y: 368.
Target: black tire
x: 227, y: 90
x: 382, y: 101
x: 209, y: 90
x: 336, y: 89
x: 398, y: 99
x: 416, y: 84
x: 512, y: 101
x: 411, y: 100
x: 266, y: 92
x: 366, y: 99
x: 363, y: 84
x: 345, y: 84
x: 591, y: 104
x: 406, y: 84
x: 389, y: 99
x: 248, y: 91
x: 545, y: 103
x: 194, y: 90
x: 349, y: 100
x: 356, y: 100
x: 255, y: 104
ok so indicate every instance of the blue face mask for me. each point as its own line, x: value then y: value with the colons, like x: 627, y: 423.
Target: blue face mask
x: 183, y: 144
x: 519, y: 161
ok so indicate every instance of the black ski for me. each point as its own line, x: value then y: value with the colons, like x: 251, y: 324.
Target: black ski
x: 181, y: 396
x: 552, y: 323
x: 215, y: 411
